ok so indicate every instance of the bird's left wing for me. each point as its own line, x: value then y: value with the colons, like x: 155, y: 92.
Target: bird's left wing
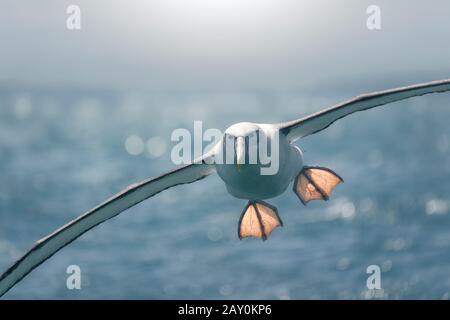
x: 318, y: 121
x: 132, y: 195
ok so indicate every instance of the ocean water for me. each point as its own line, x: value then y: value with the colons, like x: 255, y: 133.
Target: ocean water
x: 62, y: 151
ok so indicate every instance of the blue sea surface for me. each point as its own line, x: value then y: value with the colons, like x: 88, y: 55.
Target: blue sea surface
x: 62, y: 152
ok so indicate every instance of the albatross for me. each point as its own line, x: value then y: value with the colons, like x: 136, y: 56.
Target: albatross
x: 243, y: 179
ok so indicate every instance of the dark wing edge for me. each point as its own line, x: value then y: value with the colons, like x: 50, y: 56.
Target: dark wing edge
x: 132, y: 195
x: 323, y: 119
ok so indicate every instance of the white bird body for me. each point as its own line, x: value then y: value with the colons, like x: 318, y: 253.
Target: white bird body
x: 242, y: 177
x: 247, y: 182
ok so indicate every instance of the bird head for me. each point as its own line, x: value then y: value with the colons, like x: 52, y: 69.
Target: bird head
x: 240, y: 138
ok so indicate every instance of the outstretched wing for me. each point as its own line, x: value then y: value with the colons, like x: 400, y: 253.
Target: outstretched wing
x: 132, y: 195
x: 318, y: 121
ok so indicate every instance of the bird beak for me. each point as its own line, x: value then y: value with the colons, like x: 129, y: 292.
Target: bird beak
x: 240, y: 151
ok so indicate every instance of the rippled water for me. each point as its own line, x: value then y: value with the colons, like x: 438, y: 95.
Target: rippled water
x: 63, y: 151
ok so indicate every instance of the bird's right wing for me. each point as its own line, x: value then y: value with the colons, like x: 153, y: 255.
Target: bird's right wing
x: 48, y: 246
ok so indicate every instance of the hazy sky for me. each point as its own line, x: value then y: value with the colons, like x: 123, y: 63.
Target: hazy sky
x: 278, y: 44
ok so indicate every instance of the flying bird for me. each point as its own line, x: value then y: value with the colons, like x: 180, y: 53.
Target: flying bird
x: 243, y: 177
